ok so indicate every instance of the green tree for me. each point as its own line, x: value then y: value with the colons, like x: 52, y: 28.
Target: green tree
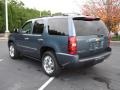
x: 18, y: 14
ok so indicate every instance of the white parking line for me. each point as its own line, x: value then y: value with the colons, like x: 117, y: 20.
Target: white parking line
x: 46, y: 83
x: 1, y: 60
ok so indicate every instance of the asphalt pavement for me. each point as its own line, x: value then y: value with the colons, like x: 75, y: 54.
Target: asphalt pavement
x: 26, y: 74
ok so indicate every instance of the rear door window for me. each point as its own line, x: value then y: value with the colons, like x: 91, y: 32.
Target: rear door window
x: 38, y: 27
x: 58, y: 26
x: 90, y: 27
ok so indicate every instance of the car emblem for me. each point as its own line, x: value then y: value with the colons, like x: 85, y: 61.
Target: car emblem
x: 97, y: 39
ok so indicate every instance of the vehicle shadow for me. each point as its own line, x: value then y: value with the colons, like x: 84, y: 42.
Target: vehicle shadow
x: 83, y: 72
x: 73, y: 76
x: 34, y: 64
x: 84, y: 76
x: 27, y: 63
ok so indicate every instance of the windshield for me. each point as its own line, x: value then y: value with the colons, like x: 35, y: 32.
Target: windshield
x: 90, y: 27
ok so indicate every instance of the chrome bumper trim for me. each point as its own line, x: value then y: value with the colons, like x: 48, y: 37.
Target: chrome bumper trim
x: 65, y: 54
x: 102, y: 56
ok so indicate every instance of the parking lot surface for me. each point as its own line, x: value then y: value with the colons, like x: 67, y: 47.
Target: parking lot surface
x: 26, y: 74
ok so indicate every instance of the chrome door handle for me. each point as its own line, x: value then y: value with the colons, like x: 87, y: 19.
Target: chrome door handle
x: 40, y: 39
x: 26, y: 38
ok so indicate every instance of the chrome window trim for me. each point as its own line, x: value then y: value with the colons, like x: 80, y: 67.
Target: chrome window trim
x: 32, y: 34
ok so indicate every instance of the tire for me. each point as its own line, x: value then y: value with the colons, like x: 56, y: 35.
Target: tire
x: 50, y: 65
x: 14, y: 54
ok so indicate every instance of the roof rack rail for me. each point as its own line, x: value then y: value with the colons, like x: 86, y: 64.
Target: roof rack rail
x: 72, y: 14
x: 66, y: 14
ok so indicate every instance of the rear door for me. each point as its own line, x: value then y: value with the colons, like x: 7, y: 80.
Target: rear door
x: 37, y: 38
x: 92, y: 36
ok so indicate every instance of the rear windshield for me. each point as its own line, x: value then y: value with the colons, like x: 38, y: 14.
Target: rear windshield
x: 90, y: 27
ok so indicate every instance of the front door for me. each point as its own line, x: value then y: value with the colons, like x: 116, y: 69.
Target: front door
x: 31, y: 38
x: 24, y: 38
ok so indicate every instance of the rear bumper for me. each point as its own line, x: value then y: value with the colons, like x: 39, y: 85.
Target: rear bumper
x: 67, y: 60
x: 96, y: 58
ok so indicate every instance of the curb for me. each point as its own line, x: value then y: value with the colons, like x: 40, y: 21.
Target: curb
x: 3, y: 38
x: 115, y: 41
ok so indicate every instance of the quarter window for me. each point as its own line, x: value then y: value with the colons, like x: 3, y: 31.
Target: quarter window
x: 58, y: 26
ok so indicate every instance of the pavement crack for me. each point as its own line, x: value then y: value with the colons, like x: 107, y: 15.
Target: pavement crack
x: 103, y: 80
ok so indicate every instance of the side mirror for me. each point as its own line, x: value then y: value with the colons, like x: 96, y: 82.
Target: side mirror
x: 16, y: 30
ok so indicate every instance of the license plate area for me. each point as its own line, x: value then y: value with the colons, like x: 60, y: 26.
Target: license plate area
x: 96, y: 45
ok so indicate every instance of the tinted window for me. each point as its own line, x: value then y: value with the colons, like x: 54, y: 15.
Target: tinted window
x: 88, y: 27
x: 58, y: 26
x: 27, y: 28
x: 38, y: 27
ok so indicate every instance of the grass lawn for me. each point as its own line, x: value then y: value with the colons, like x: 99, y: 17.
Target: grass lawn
x: 116, y: 38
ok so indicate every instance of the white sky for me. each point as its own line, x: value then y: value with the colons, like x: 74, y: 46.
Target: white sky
x: 65, y: 6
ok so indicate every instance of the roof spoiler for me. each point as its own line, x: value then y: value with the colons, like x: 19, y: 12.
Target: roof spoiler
x: 87, y: 18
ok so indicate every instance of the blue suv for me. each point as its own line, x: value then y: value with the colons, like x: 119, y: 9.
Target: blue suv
x: 61, y: 41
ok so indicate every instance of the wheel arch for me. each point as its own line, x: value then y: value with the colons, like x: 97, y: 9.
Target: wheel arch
x: 10, y: 41
x: 46, y: 48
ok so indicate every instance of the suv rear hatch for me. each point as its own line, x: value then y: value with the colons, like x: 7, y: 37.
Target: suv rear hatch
x: 92, y: 36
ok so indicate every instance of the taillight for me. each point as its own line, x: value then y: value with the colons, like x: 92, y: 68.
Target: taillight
x: 72, y: 45
x: 109, y: 39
